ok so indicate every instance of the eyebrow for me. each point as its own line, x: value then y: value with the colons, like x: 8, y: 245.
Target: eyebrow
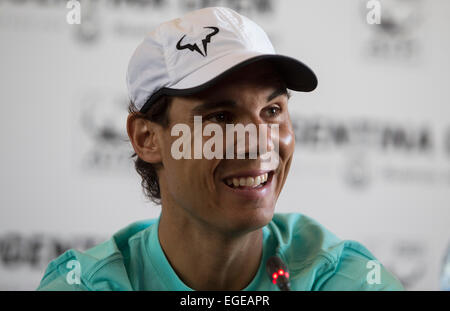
x: 279, y: 91
x: 207, y: 106
x: 228, y: 103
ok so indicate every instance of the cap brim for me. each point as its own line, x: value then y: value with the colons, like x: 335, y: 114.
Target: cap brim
x: 297, y: 76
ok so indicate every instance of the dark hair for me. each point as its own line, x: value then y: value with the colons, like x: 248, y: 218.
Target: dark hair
x: 157, y: 113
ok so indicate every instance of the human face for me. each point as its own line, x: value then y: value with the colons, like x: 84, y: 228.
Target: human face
x: 197, y: 188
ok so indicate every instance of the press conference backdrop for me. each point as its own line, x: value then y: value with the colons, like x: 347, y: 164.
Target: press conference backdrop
x: 372, y: 158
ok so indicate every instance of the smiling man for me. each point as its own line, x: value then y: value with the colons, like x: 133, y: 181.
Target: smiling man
x: 218, y: 227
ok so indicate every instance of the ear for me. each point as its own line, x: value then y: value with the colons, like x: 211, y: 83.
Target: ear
x: 143, y: 136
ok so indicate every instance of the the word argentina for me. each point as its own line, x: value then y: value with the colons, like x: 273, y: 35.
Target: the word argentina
x: 213, y: 147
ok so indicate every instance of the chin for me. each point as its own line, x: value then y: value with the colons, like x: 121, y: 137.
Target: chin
x: 248, y: 219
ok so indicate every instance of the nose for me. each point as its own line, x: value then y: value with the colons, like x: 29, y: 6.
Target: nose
x: 252, y: 139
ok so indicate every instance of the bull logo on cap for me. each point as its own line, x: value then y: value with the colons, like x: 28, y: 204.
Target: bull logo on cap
x: 194, y: 47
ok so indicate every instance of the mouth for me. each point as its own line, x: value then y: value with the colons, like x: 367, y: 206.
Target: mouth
x: 248, y: 182
x: 251, y: 184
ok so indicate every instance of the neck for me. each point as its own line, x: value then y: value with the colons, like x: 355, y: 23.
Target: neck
x: 206, y: 259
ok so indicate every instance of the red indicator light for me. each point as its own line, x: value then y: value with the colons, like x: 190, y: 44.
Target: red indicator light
x: 287, y: 274
x: 280, y: 272
x: 275, y: 275
x: 274, y: 281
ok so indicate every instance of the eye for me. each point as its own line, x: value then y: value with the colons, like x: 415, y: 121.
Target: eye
x: 220, y: 117
x: 273, y: 111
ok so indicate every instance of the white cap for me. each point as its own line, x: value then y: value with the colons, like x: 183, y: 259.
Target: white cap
x: 188, y: 54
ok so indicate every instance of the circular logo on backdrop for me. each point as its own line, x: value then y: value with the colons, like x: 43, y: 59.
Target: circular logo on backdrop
x: 89, y: 30
x: 105, y: 141
x: 397, y: 35
x: 356, y: 171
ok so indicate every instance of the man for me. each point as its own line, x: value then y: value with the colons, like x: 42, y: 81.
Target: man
x: 217, y: 228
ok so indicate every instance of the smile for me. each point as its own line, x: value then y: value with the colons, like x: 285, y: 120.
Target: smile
x: 251, y: 184
x: 249, y: 181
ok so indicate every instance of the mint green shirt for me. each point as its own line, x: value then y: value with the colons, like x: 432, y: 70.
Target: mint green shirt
x: 134, y: 260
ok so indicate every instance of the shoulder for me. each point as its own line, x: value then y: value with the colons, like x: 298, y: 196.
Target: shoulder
x: 315, y: 254
x: 102, y: 267
x: 354, y: 267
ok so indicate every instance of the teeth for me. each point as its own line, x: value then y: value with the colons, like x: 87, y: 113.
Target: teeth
x: 235, y: 182
x: 242, y: 182
x: 247, y: 181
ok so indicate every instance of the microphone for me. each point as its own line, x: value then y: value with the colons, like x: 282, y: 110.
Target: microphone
x: 278, y: 273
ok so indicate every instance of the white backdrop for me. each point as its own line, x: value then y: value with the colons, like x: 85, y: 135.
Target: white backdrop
x: 372, y: 156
